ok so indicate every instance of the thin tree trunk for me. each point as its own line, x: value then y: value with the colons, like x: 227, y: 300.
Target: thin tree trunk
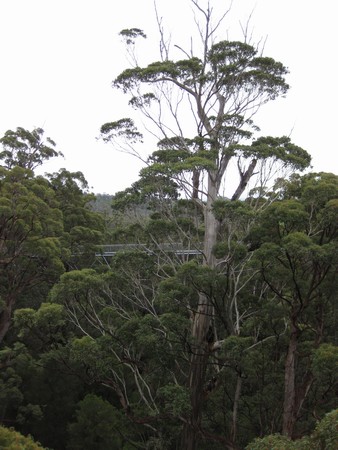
x: 195, y: 183
x: 5, y: 318
x: 289, y: 408
x: 235, y: 408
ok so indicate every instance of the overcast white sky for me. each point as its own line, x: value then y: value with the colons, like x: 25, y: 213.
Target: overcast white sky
x: 58, y: 58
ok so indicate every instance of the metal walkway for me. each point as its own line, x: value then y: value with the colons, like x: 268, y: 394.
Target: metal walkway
x: 108, y: 251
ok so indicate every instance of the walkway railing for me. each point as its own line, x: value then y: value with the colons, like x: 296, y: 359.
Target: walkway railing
x: 110, y: 250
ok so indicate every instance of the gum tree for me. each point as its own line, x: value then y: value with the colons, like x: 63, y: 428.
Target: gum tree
x: 297, y: 257
x: 201, y: 107
x: 26, y: 148
x: 30, y: 248
x: 83, y: 228
x: 30, y: 220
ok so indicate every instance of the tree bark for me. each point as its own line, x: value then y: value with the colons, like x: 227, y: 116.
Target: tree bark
x: 235, y: 408
x: 5, y: 318
x: 198, y: 365
x: 195, y: 183
x: 201, y: 322
x: 289, y: 408
x: 245, y: 178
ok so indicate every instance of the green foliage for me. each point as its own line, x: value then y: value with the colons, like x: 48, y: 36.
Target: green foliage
x: 130, y: 34
x: 76, y: 285
x: 142, y: 100
x: 97, y: 425
x: 325, y: 362
x: 48, y: 321
x: 175, y: 399
x: 278, y: 442
x: 83, y: 228
x: 229, y: 63
x: 315, y: 189
x: 12, y: 440
x: 134, y: 336
x: 95, y: 355
x: 26, y: 149
x: 31, y: 226
x: 10, y: 383
x: 121, y: 128
x: 325, y: 437
x: 279, y: 149
x: 29, y: 412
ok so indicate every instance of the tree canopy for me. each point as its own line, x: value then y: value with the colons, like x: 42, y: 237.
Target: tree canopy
x: 197, y: 308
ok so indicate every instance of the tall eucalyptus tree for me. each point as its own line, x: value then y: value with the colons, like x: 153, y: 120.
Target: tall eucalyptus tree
x: 202, y: 107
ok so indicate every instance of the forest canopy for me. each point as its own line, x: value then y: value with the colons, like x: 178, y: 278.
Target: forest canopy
x: 169, y: 315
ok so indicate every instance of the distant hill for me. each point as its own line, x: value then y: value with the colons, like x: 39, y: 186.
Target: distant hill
x: 102, y: 204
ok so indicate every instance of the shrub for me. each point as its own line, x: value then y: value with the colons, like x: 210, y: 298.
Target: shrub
x: 325, y: 437
x: 12, y: 440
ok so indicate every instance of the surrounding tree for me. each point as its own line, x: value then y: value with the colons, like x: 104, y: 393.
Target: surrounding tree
x: 83, y: 228
x: 135, y: 317
x: 97, y: 425
x: 30, y: 229
x: 12, y: 440
x: 30, y: 221
x: 324, y: 437
x: 46, y: 225
x: 26, y: 149
x: 298, y: 258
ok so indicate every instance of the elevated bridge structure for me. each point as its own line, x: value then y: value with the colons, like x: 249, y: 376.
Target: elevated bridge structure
x: 106, y: 252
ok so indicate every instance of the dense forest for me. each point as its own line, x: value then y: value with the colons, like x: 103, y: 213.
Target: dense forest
x: 197, y: 309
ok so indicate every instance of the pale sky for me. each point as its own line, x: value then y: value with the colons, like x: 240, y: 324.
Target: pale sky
x: 58, y: 58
